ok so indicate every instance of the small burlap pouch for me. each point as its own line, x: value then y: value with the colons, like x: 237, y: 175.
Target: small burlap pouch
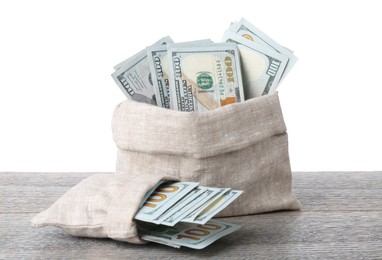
x: 103, y: 206
x: 242, y: 146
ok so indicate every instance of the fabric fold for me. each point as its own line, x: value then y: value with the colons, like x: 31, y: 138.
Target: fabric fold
x: 144, y: 128
x: 242, y: 146
x: 102, y: 205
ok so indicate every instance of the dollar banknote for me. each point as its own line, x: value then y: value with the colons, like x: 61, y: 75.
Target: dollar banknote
x: 191, y: 235
x: 150, y: 192
x: 158, y: 63
x: 173, y: 210
x: 173, y: 202
x: 134, y: 78
x: 247, y: 30
x: 169, y: 215
x: 184, y: 210
x: 200, y: 75
x: 217, y: 206
x: 203, y: 78
x: 262, y: 67
x: 165, y: 196
x: 202, y: 206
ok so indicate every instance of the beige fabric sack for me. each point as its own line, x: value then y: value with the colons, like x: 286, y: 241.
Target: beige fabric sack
x: 242, y: 146
x: 103, y: 205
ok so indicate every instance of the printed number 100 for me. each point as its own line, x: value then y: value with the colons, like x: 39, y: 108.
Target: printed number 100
x: 159, y: 195
x: 200, y: 231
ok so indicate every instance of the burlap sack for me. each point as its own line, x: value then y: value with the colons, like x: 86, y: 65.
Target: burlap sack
x: 243, y: 146
x: 103, y: 206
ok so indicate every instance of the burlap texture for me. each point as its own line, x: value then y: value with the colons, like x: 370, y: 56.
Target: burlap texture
x: 103, y: 205
x: 243, y: 146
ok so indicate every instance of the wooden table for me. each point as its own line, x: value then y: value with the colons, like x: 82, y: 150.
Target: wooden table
x: 341, y: 218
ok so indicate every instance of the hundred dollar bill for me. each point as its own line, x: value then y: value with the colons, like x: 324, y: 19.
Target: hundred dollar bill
x: 134, y: 78
x: 149, y: 193
x: 205, y: 77
x: 197, y: 210
x: 177, y: 207
x: 191, y: 235
x: 217, y: 206
x: 158, y: 63
x: 158, y: 240
x: 163, y: 198
x: 184, y: 210
x: 249, y: 31
x: 262, y: 67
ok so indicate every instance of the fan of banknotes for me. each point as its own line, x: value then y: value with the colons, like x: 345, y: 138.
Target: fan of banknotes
x: 179, y: 214
x: 201, y: 75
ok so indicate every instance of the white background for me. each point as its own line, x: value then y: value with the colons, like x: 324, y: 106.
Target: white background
x: 57, y: 95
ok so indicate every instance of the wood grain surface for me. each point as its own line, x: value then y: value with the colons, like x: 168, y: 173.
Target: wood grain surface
x: 341, y: 218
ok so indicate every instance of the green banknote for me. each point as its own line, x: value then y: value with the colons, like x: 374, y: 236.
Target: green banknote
x: 134, y: 78
x: 204, y: 78
x: 164, y: 197
x: 262, y: 67
x: 158, y: 62
x: 217, y: 206
x: 181, y: 212
x: 247, y: 30
x: 191, y: 235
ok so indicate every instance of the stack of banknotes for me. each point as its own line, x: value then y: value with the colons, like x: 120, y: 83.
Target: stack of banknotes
x: 202, y: 75
x: 179, y: 214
